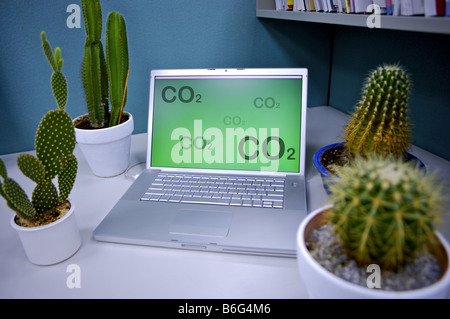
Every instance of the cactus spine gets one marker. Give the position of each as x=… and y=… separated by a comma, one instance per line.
x=379, y=124
x=384, y=210
x=55, y=142
x=97, y=70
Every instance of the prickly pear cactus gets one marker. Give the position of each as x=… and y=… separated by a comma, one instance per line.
x=55, y=142
x=385, y=210
x=15, y=196
x=379, y=124
x=58, y=80
x=55, y=138
x=66, y=177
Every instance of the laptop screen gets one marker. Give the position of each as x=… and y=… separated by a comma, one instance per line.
x=249, y=123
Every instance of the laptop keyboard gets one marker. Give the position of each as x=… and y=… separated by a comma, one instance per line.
x=217, y=190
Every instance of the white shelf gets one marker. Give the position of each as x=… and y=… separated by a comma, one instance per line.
x=266, y=9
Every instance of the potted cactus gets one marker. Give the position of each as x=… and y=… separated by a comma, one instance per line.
x=382, y=216
x=104, y=134
x=379, y=124
x=46, y=225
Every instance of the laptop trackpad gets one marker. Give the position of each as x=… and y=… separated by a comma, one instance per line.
x=201, y=223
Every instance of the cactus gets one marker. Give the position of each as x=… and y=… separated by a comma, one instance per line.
x=95, y=79
x=385, y=209
x=117, y=63
x=55, y=139
x=58, y=81
x=15, y=196
x=97, y=70
x=379, y=124
x=55, y=142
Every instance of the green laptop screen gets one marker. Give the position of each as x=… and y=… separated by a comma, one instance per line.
x=251, y=124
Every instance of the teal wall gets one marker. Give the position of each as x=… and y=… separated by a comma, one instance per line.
x=161, y=34
x=425, y=56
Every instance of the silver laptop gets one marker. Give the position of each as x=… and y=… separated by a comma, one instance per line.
x=225, y=168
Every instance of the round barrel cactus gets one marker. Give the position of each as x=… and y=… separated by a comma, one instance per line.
x=385, y=209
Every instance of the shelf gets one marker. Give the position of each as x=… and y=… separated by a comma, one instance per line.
x=405, y=23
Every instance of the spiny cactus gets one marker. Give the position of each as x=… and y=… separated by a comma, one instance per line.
x=55, y=139
x=379, y=124
x=95, y=79
x=385, y=209
x=55, y=142
x=58, y=81
x=117, y=62
x=97, y=70
x=15, y=196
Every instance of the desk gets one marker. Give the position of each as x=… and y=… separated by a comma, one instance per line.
x=123, y=271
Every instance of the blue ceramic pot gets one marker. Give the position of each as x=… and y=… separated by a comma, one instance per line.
x=327, y=177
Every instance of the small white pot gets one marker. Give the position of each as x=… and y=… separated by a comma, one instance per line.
x=52, y=243
x=321, y=283
x=107, y=150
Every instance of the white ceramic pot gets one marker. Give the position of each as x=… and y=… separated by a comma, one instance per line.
x=52, y=243
x=321, y=283
x=107, y=150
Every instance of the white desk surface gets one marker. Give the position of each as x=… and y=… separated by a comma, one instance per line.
x=124, y=271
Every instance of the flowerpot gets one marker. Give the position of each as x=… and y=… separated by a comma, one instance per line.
x=106, y=150
x=321, y=283
x=326, y=175
x=52, y=243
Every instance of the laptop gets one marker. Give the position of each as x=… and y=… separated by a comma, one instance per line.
x=225, y=166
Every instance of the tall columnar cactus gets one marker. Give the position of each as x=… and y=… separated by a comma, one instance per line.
x=117, y=62
x=94, y=73
x=97, y=70
x=385, y=210
x=379, y=124
x=55, y=142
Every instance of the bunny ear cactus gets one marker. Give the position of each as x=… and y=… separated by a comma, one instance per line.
x=55, y=139
x=58, y=81
x=52, y=160
x=379, y=124
x=15, y=196
x=384, y=210
x=55, y=142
